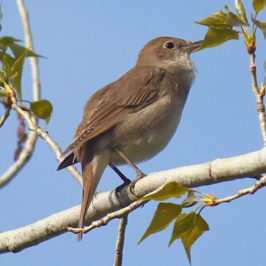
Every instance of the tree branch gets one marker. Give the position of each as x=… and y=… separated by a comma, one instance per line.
x=45, y=136
x=259, y=94
x=4, y=117
x=120, y=241
x=23, y=158
x=28, y=149
x=220, y=170
x=109, y=217
x=36, y=85
x=243, y=192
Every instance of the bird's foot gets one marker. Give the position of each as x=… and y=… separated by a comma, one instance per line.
x=126, y=181
x=119, y=188
x=140, y=175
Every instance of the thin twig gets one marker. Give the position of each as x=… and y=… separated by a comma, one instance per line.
x=32, y=121
x=46, y=137
x=36, y=85
x=4, y=117
x=22, y=136
x=29, y=146
x=109, y=217
x=120, y=241
x=23, y=158
x=251, y=190
x=259, y=97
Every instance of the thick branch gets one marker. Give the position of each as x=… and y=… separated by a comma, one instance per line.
x=220, y=170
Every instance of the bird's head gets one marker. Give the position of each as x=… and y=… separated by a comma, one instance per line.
x=168, y=53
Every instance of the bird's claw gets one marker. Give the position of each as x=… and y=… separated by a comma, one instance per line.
x=140, y=175
x=119, y=188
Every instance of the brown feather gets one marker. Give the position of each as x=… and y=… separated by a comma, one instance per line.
x=118, y=99
x=87, y=173
x=133, y=118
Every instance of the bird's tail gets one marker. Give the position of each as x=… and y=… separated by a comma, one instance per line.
x=91, y=177
x=69, y=160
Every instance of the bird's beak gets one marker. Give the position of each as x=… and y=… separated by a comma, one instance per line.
x=192, y=46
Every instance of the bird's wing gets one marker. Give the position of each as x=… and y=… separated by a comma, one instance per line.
x=132, y=92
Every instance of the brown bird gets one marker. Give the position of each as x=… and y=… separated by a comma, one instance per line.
x=133, y=118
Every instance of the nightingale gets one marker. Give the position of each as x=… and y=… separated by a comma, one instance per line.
x=133, y=118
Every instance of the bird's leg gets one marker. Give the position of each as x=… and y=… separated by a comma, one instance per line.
x=139, y=173
x=125, y=180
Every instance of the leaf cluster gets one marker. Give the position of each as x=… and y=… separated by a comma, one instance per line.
x=188, y=227
x=12, y=59
x=225, y=25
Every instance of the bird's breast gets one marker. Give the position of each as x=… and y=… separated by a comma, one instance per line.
x=143, y=134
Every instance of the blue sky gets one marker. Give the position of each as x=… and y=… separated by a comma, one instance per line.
x=88, y=44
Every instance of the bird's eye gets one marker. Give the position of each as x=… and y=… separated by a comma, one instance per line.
x=169, y=45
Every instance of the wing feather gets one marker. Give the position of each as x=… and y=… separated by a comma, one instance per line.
x=133, y=91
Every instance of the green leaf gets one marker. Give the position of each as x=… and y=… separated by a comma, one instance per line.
x=189, y=200
x=7, y=64
x=235, y=20
x=241, y=12
x=3, y=78
x=217, y=36
x=188, y=227
x=42, y=109
x=6, y=41
x=169, y=190
x=217, y=20
x=183, y=225
x=2, y=94
x=18, y=50
x=261, y=25
x=16, y=72
x=164, y=215
x=198, y=228
x=227, y=7
x=13, y=67
x=258, y=5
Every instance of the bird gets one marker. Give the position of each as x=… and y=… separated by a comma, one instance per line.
x=133, y=118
